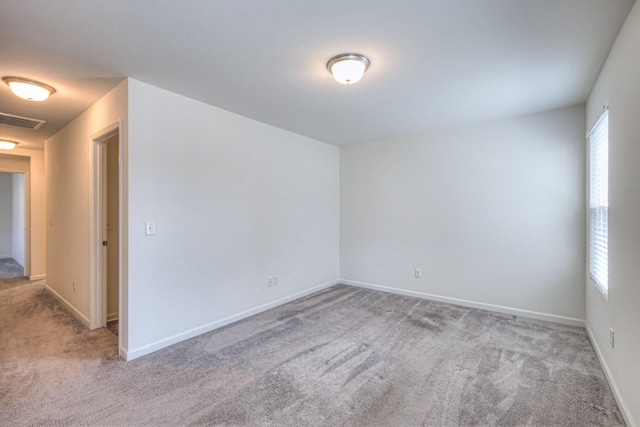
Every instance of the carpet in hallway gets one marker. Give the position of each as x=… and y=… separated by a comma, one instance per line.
x=343, y=356
x=11, y=270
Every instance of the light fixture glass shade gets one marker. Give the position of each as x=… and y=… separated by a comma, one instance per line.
x=348, y=68
x=7, y=145
x=29, y=89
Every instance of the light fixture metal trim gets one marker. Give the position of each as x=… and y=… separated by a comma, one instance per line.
x=348, y=57
x=13, y=79
x=5, y=144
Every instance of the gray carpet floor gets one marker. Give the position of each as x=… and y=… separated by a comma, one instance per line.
x=10, y=270
x=341, y=357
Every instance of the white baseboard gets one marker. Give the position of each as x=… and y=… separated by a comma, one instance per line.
x=155, y=346
x=38, y=277
x=81, y=317
x=473, y=304
x=612, y=382
x=112, y=316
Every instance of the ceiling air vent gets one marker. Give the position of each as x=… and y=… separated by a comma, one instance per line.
x=21, y=122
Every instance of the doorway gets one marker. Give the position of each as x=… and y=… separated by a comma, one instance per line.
x=112, y=233
x=13, y=230
x=106, y=241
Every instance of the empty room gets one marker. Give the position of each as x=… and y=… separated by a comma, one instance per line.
x=336, y=213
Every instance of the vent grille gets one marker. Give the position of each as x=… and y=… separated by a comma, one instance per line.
x=21, y=122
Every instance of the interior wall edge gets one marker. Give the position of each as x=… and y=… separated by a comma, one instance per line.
x=612, y=382
x=472, y=304
x=166, y=342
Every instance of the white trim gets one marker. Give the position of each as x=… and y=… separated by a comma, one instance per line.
x=74, y=311
x=473, y=304
x=98, y=288
x=27, y=268
x=38, y=277
x=112, y=316
x=97, y=312
x=165, y=342
x=604, y=293
x=605, y=113
x=612, y=382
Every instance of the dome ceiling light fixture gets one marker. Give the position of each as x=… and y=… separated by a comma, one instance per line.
x=348, y=68
x=7, y=145
x=30, y=90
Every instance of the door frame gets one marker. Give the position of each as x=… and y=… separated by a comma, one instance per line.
x=98, y=268
x=27, y=211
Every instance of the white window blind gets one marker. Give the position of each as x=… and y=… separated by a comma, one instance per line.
x=599, y=202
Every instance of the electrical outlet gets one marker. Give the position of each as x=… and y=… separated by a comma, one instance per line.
x=75, y=287
x=272, y=280
x=417, y=273
x=612, y=338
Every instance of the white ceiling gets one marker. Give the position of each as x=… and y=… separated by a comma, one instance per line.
x=434, y=63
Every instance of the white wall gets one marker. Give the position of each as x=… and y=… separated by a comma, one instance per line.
x=618, y=86
x=6, y=212
x=234, y=201
x=492, y=214
x=69, y=178
x=17, y=218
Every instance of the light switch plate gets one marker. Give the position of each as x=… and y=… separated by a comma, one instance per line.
x=150, y=228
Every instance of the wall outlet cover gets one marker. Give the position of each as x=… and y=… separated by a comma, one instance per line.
x=612, y=338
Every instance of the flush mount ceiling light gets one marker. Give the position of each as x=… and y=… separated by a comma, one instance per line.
x=7, y=145
x=348, y=68
x=30, y=90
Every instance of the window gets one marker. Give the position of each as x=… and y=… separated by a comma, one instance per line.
x=599, y=202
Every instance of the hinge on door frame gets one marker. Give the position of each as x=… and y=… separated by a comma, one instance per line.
x=104, y=243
